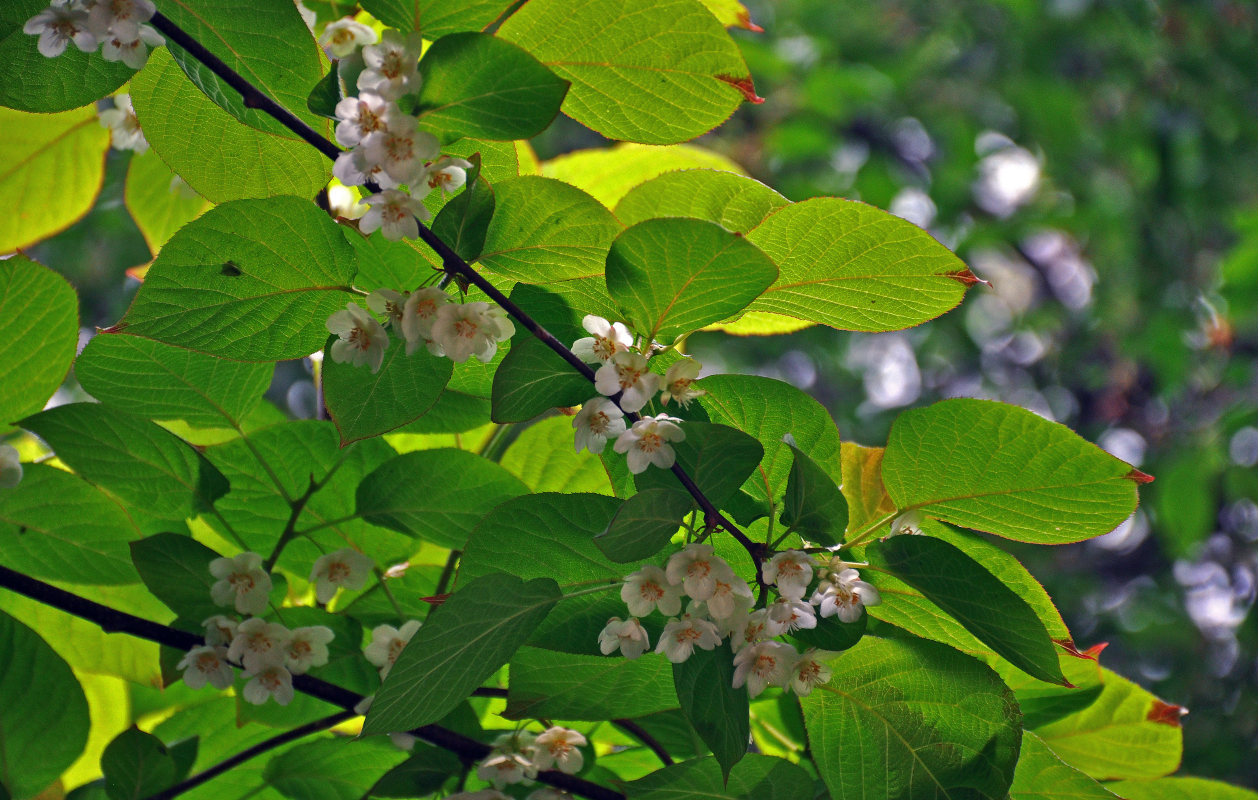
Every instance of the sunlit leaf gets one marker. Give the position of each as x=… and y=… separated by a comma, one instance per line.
x=159, y=202
x=736, y=203
x=437, y=18
x=567, y=686
x=363, y=403
x=1041, y=775
x=39, y=329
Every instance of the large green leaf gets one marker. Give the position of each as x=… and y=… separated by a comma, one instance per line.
x=1041, y=775
x=643, y=524
x=136, y=765
x=163, y=382
x=39, y=329
x=756, y=777
x=253, y=280
x=1180, y=788
x=159, y=203
x=732, y=201
x=533, y=379
x=70, y=145
x=482, y=86
x=718, y=711
x=56, y=526
x=176, y=569
x=655, y=71
x=1002, y=469
x=464, y=641
x=855, y=267
x=436, y=18
x=363, y=403
x=43, y=713
x=608, y=173
x=332, y=768
x=672, y=276
x=544, y=458
x=214, y=162
x=550, y=685
x=914, y=719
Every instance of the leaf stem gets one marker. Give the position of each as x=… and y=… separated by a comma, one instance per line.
x=384, y=587
x=447, y=572
x=290, y=528
x=867, y=532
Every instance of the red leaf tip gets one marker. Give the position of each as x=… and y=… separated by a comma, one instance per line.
x=743, y=85
x=1166, y=713
x=744, y=21
x=119, y=328
x=436, y=599
x=968, y=278
x=1138, y=476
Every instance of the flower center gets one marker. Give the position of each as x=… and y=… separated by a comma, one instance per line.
x=300, y=648
x=399, y=148
x=338, y=571
x=652, y=591
x=395, y=649
x=465, y=328
x=688, y=635
x=270, y=679
x=391, y=66
x=649, y=443
x=599, y=422
x=242, y=582
x=766, y=664
x=628, y=376
x=604, y=347
x=207, y=662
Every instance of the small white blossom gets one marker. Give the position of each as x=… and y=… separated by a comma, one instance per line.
x=392, y=65
x=242, y=581
x=448, y=173
x=344, y=36
x=418, y=316
x=362, y=115
x=390, y=305
x=681, y=636
x=609, y=339
x=730, y=598
x=809, y=671
x=132, y=50
x=119, y=18
x=648, y=588
x=557, y=748
x=598, y=420
x=763, y=664
x=219, y=630
x=628, y=374
x=628, y=636
x=504, y=768
x=908, y=522
x=790, y=571
x=124, y=128
x=754, y=627
x=393, y=212
x=677, y=380
x=346, y=568
x=362, y=340
x=786, y=615
x=207, y=664
x=307, y=647
x=698, y=568
x=401, y=149
x=844, y=595
x=272, y=681
x=343, y=202
x=59, y=25
x=259, y=644
x=387, y=643
x=467, y=329
x=647, y=442
x=10, y=467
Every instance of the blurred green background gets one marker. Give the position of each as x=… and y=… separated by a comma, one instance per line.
x=1097, y=162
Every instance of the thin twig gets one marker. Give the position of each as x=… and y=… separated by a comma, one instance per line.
x=447, y=572
x=290, y=527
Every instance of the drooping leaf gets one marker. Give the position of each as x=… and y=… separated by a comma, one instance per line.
x=546, y=684
x=464, y=641
x=176, y=569
x=855, y=267
x=436, y=18
x=533, y=379
x=39, y=329
x=464, y=221
x=70, y=145
x=159, y=202
x=136, y=765
x=363, y=403
x=1002, y=469
x=813, y=504
x=732, y=201
x=718, y=711
x=717, y=457
x=331, y=769
x=756, y=777
x=608, y=173
x=644, y=524
x=252, y=280
x=1179, y=788
x=672, y=276
x=1041, y=775
x=655, y=71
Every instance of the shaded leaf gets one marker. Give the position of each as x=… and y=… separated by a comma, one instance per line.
x=39, y=330
x=136, y=765
x=813, y=504
x=463, y=222
x=533, y=379
x=30, y=81
x=437, y=18
x=718, y=712
x=717, y=457
x=756, y=777
x=332, y=768
x=643, y=524
x=363, y=403
x=176, y=569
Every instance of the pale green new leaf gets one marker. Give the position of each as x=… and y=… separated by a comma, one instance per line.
x=855, y=267
x=363, y=403
x=756, y=777
x=159, y=203
x=253, y=280
x=39, y=329
x=732, y=201
x=546, y=684
x=332, y=768
x=436, y=18
x=1041, y=775
x=608, y=174
x=1180, y=788
x=1002, y=469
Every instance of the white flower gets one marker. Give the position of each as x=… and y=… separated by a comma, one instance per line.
x=344, y=36
x=504, y=768
x=647, y=442
x=753, y=628
x=219, y=630
x=132, y=50
x=628, y=636
x=677, y=380
x=418, y=316
x=207, y=664
x=790, y=571
x=908, y=522
x=387, y=643
x=681, y=636
x=361, y=115
x=272, y=681
x=558, y=747
x=353, y=168
x=809, y=671
x=57, y=26
x=598, y=420
x=786, y=615
x=449, y=174
x=648, y=588
x=392, y=65
x=401, y=149
x=844, y=594
x=343, y=202
x=259, y=644
x=466, y=329
x=345, y=568
x=389, y=304
x=124, y=128
x=628, y=374
x=10, y=467
x=119, y=18
x=609, y=339
x=362, y=340
x=697, y=568
x=762, y=664
x=241, y=580
x=395, y=213
x=730, y=598
x=307, y=647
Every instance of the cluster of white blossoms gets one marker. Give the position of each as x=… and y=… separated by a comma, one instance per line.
x=116, y=26
x=720, y=607
x=518, y=757
x=624, y=370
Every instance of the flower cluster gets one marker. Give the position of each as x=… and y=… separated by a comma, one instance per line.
x=518, y=757
x=116, y=26
x=720, y=607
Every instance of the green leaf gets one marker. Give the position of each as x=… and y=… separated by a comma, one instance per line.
x=423, y=772
x=533, y=379
x=718, y=712
x=252, y=280
x=56, y=526
x=435, y=495
x=169, y=105
x=672, y=276
x=43, y=713
x=436, y=18
x=163, y=382
x=735, y=202
x=1002, y=469
x=479, y=85
x=159, y=202
x=363, y=403
x=464, y=641
x=717, y=457
x=655, y=71
x=813, y=504
x=832, y=633
x=608, y=173
x=29, y=81
x=464, y=221
x=1041, y=775
x=644, y=524
x=549, y=685
x=544, y=458
x=544, y=230
x=756, y=777
x=136, y=764
x=332, y=768
x=135, y=459
x=176, y=569
x=39, y=330
x=325, y=95
x=912, y=719
x=1179, y=788
x=855, y=267
x=71, y=146
x=976, y=598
